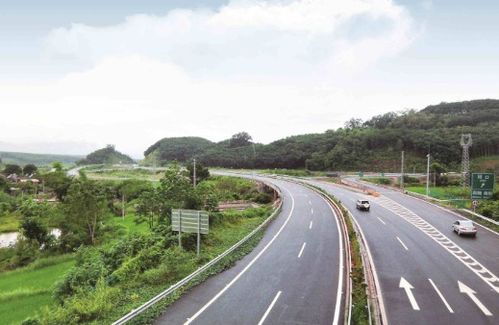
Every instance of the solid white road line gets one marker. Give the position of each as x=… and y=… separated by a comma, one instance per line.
x=270, y=308
x=381, y=220
x=209, y=303
x=404, y=284
x=310, y=225
x=340, y=268
x=441, y=296
x=402, y=243
x=463, y=288
x=301, y=250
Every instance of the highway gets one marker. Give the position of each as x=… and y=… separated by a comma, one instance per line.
x=294, y=276
x=426, y=273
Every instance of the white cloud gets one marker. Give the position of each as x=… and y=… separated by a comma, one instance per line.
x=245, y=35
x=270, y=68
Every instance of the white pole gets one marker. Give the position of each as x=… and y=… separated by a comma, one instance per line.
x=194, y=173
x=428, y=176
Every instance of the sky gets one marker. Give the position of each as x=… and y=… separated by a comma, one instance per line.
x=77, y=75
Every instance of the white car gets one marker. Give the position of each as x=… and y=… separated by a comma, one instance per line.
x=464, y=227
x=363, y=205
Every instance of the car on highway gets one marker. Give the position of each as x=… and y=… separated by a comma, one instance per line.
x=363, y=205
x=464, y=227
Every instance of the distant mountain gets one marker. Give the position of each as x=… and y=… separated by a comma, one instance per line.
x=108, y=155
x=21, y=158
x=373, y=145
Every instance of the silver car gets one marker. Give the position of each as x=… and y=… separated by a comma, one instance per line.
x=363, y=205
x=464, y=227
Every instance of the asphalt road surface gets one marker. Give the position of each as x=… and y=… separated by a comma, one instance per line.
x=427, y=273
x=294, y=275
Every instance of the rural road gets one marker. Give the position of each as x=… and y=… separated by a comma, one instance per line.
x=294, y=275
x=427, y=273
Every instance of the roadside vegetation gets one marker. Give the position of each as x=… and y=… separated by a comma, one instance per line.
x=372, y=145
x=114, y=248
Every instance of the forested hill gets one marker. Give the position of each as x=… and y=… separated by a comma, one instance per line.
x=107, y=155
x=372, y=145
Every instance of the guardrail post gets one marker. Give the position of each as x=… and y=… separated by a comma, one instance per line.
x=180, y=229
x=199, y=232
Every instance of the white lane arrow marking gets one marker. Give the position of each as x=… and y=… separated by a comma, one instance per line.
x=463, y=288
x=408, y=287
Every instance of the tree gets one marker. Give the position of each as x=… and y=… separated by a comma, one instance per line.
x=202, y=172
x=86, y=207
x=57, y=166
x=240, y=139
x=32, y=226
x=59, y=182
x=12, y=169
x=30, y=169
x=353, y=123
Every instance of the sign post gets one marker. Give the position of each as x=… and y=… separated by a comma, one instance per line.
x=190, y=221
x=482, y=186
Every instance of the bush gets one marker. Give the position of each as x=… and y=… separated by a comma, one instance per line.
x=264, y=198
x=25, y=252
x=86, y=306
x=89, y=269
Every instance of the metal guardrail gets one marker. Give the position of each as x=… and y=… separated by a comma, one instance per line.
x=135, y=312
x=480, y=216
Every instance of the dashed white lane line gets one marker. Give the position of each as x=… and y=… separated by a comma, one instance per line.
x=402, y=243
x=441, y=297
x=380, y=220
x=309, y=202
x=471, y=263
x=221, y=292
x=312, y=210
x=301, y=250
x=267, y=312
x=310, y=225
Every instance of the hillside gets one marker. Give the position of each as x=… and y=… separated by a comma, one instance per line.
x=372, y=145
x=21, y=158
x=108, y=155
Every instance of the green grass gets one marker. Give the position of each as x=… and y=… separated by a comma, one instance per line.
x=25, y=291
x=129, y=224
x=9, y=223
x=458, y=196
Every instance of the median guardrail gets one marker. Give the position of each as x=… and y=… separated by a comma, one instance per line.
x=135, y=312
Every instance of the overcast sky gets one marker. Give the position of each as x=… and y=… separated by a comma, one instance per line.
x=77, y=75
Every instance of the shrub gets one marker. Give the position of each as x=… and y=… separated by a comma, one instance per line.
x=264, y=198
x=89, y=269
x=86, y=306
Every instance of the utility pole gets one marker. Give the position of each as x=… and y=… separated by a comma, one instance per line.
x=402, y=172
x=428, y=175
x=194, y=173
x=466, y=143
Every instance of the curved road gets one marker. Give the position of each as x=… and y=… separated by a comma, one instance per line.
x=294, y=276
x=426, y=273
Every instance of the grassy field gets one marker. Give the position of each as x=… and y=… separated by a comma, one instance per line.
x=25, y=291
x=9, y=223
x=458, y=196
x=138, y=174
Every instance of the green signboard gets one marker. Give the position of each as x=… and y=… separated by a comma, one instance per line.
x=482, y=185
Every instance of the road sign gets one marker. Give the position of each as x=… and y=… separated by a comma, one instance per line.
x=482, y=185
x=190, y=221
x=187, y=221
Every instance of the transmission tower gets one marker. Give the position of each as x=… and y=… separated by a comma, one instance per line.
x=466, y=143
